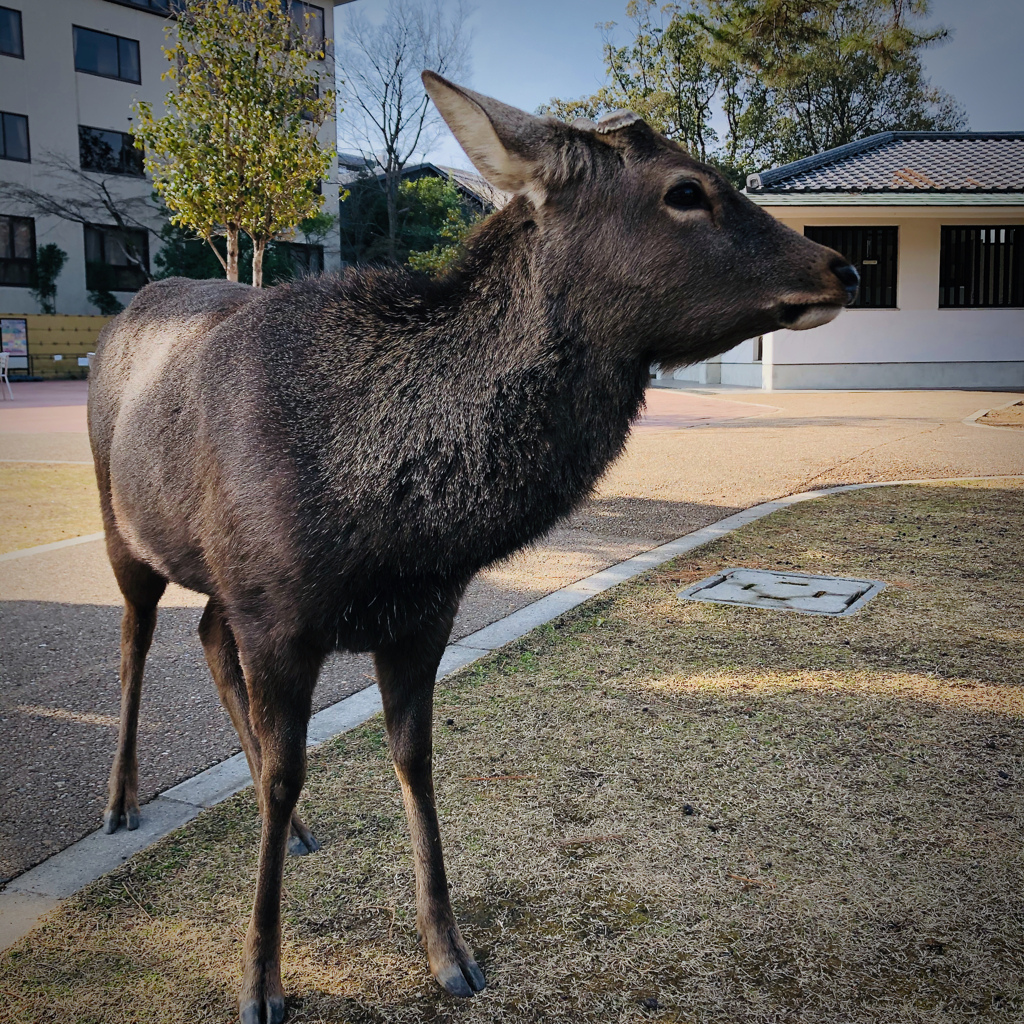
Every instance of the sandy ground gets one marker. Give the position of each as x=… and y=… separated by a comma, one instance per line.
x=694, y=459
x=1011, y=415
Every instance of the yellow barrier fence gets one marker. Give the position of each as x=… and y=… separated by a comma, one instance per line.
x=69, y=337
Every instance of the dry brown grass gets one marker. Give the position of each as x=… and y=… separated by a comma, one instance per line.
x=652, y=810
x=1007, y=416
x=40, y=503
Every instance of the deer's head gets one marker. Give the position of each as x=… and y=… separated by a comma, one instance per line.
x=637, y=236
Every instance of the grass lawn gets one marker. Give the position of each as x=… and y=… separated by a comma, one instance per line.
x=653, y=811
x=44, y=502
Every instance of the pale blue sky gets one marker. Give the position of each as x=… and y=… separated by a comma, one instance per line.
x=526, y=51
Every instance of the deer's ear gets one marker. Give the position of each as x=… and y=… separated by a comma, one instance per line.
x=506, y=145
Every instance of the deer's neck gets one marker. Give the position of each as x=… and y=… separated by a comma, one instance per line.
x=550, y=401
x=496, y=410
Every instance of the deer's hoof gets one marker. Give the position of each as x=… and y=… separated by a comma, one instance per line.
x=300, y=847
x=113, y=816
x=462, y=980
x=262, y=1011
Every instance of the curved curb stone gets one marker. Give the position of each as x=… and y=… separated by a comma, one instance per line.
x=29, y=896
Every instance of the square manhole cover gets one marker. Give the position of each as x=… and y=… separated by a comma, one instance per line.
x=787, y=591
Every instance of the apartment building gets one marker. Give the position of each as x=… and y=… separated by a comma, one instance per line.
x=69, y=73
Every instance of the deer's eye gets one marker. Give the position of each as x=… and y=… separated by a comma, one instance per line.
x=685, y=196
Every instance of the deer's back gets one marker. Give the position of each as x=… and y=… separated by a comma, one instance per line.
x=327, y=451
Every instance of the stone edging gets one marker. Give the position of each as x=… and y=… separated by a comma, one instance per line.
x=27, y=897
x=972, y=420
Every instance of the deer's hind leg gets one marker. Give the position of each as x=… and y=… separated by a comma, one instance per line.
x=406, y=672
x=221, y=652
x=142, y=588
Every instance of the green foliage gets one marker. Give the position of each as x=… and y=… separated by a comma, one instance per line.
x=185, y=255
x=793, y=77
x=363, y=221
x=436, y=221
x=50, y=260
x=238, y=148
x=106, y=302
x=811, y=76
x=316, y=228
x=433, y=219
x=665, y=73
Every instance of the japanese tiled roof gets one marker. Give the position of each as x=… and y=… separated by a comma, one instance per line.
x=478, y=185
x=894, y=162
x=469, y=183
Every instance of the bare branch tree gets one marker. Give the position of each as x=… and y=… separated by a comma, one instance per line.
x=87, y=197
x=388, y=116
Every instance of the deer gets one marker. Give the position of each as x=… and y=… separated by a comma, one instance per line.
x=332, y=460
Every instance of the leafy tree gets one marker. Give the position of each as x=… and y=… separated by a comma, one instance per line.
x=792, y=77
x=238, y=150
x=388, y=115
x=665, y=73
x=438, y=220
x=433, y=219
x=106, y=301
x=315, y=229
x=50, y=260
x=184, y=254
x=810, y=77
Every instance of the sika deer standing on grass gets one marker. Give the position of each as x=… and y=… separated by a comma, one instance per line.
x=332, y=461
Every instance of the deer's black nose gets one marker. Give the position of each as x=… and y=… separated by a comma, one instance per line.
x=849, y=277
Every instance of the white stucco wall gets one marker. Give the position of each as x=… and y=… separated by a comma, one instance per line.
x=915, y=345
x=57, y=99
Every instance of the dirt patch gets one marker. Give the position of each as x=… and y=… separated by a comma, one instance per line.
x=41, y=503
x=652, y=810
x=1007, y=416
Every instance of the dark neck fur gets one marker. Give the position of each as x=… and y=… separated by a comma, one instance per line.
x=496, y=413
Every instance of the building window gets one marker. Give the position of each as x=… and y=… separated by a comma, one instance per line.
x=306, y=260
x=157, y=6
x=115, y=260
x=99, y=53
x=108, y=152
x=11, y=43
x=981, y=267
x=308, y=19
x=17, y=250
x=875, y=254
x=13, y=137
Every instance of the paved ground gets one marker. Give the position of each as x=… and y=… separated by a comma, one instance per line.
x=694, y=459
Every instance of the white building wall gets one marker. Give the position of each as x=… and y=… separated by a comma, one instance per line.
x=57, y=99
x=916, y=345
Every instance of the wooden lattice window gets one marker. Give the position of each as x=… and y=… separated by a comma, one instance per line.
x=874, y=251
x=981, y=267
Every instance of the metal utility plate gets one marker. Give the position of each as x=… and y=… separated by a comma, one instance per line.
x=785, y=591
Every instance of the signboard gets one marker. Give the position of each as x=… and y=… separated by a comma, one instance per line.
x=14, y=341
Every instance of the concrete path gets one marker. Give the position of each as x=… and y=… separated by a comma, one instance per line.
x=692, y=461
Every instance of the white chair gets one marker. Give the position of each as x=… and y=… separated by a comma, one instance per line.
x=5, y=358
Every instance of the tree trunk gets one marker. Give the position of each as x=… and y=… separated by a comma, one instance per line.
x=258, y=248
x=232, y=268
x=391, y=185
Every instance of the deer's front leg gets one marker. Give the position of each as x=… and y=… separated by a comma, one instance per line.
x=407, y=687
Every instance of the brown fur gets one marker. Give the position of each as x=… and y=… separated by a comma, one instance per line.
x=332, y=461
